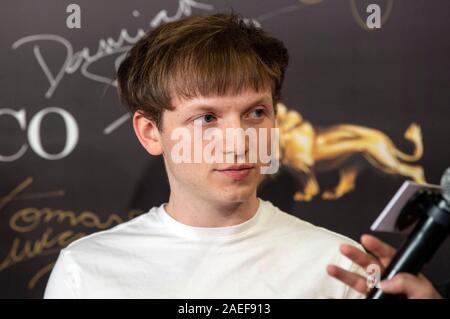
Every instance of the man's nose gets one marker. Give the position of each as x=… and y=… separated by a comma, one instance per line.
x=235, y=141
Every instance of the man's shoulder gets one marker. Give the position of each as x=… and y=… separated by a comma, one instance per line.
x=115, y=237
x=300, y=229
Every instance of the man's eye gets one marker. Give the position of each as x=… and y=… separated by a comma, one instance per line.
x=257, y=113
x=205, y=119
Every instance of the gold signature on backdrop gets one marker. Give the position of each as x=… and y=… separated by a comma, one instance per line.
x=303, y=147
x=29, y=220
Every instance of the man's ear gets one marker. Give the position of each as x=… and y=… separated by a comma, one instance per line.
x=148, y=134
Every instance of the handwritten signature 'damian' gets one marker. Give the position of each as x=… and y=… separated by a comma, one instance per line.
x=84, y=59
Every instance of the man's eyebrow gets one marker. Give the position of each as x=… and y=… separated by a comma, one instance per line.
x=209, y=107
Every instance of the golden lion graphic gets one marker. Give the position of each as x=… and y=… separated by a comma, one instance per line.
x=302, y=148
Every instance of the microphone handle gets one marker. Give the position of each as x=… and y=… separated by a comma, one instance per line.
x=419, y=248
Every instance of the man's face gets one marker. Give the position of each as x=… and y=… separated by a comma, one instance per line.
x=215, y=181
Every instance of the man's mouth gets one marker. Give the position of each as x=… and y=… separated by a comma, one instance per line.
x=237, y=172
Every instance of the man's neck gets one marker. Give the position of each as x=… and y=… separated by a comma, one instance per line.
x=200, y=213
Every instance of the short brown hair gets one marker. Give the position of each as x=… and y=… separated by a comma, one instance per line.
x=199, y=56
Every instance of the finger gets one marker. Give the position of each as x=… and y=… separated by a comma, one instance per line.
x=413, y=287
x=357, y=256
x=351, y=279
x=384, y=252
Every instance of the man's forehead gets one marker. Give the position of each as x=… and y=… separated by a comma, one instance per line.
x=243, y=99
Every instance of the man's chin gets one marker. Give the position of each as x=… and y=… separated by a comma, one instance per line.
x=235, y=195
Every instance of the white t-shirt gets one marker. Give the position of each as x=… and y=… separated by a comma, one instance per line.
x=271, y=255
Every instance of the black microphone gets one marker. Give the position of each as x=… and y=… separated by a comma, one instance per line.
x=431, y=209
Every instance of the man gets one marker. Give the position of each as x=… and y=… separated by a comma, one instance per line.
x=214, y=238
x=413, y=287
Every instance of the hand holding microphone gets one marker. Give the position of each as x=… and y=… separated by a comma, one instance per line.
x=430, y=211
x=412, y=286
